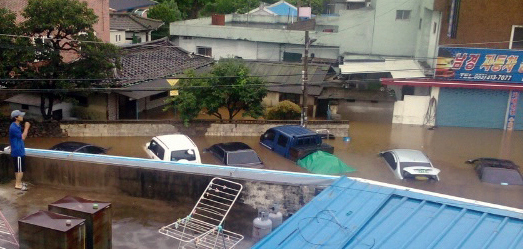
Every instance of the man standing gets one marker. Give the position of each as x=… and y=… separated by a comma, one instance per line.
x=16, y=139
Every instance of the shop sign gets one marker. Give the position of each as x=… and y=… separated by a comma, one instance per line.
x=478, y=64
x=511, y=112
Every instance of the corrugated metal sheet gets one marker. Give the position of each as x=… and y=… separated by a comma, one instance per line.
x=358, y=214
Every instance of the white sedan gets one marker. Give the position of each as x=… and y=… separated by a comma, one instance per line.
x=410, y=164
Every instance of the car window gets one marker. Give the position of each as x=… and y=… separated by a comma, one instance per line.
x=282, y=140
x=242, y=157
x=156, y=149
x=218, y=152
x=389, y=158
x=94, y=150
x=269, y=135
x=188, y=155
x=414, y=164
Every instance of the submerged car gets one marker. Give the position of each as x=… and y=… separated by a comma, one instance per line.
x=79, y=147
x=236, y=154
x=497, y=171
x=410, y=164
x=174, y=147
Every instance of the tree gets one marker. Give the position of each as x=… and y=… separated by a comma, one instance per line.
x=66, y=48
x=228, y=86
x=166, y=11
x=13, y=49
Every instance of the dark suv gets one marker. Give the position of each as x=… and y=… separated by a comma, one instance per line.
x=497, y=171
x=236, y=154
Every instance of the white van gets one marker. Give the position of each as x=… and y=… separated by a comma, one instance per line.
x=175, y=147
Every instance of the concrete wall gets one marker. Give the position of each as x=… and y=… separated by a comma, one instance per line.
x=372, y=30
x=411, y=110
x=72, y=129
x=115, y=33
x=151, y=184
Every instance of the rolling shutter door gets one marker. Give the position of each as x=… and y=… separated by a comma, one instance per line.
x=473, y=108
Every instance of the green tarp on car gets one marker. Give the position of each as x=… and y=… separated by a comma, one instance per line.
x=321, y=162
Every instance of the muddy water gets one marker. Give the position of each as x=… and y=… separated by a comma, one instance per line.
x=448, y=148
x=136, y=220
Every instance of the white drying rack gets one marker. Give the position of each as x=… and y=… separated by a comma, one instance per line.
x=6, y=232
x=202, y=228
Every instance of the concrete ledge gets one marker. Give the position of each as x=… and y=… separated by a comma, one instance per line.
x=200, y=128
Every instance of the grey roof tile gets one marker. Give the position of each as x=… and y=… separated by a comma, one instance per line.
x=130, y=22
x=120, y=5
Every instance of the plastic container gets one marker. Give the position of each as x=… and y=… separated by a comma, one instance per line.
x=261, y=226
x=275, y=216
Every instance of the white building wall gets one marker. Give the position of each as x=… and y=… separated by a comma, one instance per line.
x=115, y=34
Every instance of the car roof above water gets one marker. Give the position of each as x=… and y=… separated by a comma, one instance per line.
x=294, y=130
x=176, y=141
x=233, y=146
x=406, y=155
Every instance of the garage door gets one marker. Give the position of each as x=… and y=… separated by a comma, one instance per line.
x=519, y=113
x=472, y=108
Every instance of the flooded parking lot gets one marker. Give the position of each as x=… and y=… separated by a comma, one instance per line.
x=136, y=220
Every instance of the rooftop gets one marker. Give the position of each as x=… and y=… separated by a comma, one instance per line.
x=131, y=22
x=286, y=73
x=123, y=5
x=156, y=59
x=357, y=212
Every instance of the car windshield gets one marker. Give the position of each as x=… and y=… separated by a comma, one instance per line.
x=414, y=164
x=242, y=157
x=188, y=155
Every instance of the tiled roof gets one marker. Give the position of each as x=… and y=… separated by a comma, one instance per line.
x=120, y=5
x=156, y=59
x=290, y=74
x=130, y=22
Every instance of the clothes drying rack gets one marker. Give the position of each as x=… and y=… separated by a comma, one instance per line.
x=203, y=227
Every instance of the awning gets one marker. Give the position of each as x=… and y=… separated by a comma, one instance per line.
x=397, y=68
x=146, y=89
x=452, y=84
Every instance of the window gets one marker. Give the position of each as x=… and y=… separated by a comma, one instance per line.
x=159, y=96
x=390, y=159
x=402, y=14
x=207, y=51
x=420, y=22
x=282, y=140
x=242, y=157
x=269, y=135
x=157, y=149
x=516, y=41
x=188, y=155
x=218, y=152
x=94, y=150
x=292, y=97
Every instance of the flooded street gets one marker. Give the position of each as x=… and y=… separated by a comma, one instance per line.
x=447, y=147
x=136, y=220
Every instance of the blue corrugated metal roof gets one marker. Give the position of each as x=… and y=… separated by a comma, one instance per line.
x=357, y=214
x=294, y=130
x=284, y=9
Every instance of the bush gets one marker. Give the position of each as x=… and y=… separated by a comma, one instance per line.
x=285, y=110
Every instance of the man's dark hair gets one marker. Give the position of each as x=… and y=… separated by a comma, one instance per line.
x=13, y=119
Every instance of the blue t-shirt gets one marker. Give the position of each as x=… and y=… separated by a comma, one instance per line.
x=15, y=138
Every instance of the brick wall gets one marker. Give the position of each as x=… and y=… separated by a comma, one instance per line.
x=100, y=7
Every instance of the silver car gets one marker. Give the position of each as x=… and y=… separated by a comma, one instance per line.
x=410, y=164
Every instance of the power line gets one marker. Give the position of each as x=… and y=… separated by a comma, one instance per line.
x=174, y=46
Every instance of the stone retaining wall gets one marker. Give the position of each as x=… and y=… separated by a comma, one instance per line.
x=162, y=127
x=338, y=129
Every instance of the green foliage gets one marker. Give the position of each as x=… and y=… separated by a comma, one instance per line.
x=168, y=12
x=66, y=48
x=285, y=110
x=13, y=50
x=228, y=6
x=226, y=86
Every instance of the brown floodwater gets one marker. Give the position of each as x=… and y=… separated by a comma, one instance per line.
x=447, y=147
x=136, y=220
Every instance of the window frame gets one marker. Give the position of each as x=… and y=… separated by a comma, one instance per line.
x=208, y=51
x=405, y=15
x=512, y=33
x=388, y=153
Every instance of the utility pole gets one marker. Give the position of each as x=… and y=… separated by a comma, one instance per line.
x=304, y=82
